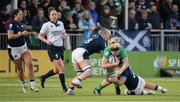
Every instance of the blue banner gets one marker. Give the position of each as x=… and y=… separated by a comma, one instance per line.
x=134, y=40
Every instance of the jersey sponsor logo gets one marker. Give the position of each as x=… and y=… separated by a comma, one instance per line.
x=10, y=27
x=56, y=55
x=95, y=36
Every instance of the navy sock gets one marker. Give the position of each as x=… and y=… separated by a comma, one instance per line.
x=156, y=87
x=31, y=80
x=48, y=74
x=72, y=88
x=62, y=80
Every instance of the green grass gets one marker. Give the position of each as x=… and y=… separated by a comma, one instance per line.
x=10, y=91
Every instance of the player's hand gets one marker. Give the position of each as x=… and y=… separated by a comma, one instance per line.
x=33, y=33
x=117, y=61
x=49, y=42
x=25, y=33
x=118, y=74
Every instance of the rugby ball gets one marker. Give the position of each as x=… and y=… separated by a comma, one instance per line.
x=112, y=59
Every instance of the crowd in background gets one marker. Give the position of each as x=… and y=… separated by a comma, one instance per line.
x=87, y=14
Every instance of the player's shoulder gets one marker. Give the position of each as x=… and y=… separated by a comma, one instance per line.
x=60, y=23
x=47, y=23
x=107, y=51
x=97, y=36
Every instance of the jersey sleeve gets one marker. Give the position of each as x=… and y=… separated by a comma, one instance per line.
x=10, y=28
x=44, y=29
x=63, y=29
x=123, y=53
x=107, y=52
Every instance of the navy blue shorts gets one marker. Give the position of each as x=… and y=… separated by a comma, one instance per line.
x=55, y=52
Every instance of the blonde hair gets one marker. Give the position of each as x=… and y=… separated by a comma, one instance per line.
x=114, y=46
x=113, y=40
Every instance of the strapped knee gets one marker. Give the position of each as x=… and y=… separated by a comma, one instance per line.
x=79, y=72
x=87, y=68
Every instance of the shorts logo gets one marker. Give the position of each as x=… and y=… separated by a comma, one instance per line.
x=15, y=56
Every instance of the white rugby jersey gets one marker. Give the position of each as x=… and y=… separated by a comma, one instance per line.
x=53, y=32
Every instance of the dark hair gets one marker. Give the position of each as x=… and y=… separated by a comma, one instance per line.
x=15, y=12
x=51, y=9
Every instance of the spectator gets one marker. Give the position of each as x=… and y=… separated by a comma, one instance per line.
x=3, y=19
x=26, y=20
x=23, y=5
x=93, y=13
x=165, y=11
x=86, y=24
x=76, y=12
x=132, y=5
x=45, y=5
x=141, y=5
x=34, y=5
x=69, y=23
x=105, y=19
x=59, y=15
x=175, y=10
x=154, y=17
x=38, y=20
x=132, y=22
x=143, y=22
x=63, y=6
x=111, y=5
x=172, y=23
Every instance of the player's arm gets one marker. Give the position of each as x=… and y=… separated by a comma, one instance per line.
x=11, y=35
x=107, y=65
x=125, y=63
x=64, y=35
x=41, y=37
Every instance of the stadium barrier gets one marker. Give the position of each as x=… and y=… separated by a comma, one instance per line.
x=146, y=64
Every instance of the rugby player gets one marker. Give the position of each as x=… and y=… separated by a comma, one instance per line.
x=135, y=84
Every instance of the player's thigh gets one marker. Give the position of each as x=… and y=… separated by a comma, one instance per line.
x=84, y=63
x=18, y=63
x=59, y=64
x=79, y=55
x=26, y=56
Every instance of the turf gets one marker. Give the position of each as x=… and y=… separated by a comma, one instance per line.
x=10, y=91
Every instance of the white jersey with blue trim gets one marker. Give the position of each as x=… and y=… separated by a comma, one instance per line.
x=54, y=32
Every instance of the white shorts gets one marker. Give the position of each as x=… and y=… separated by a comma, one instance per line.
x=79, y=54
x=16, y=52
x=140, y=87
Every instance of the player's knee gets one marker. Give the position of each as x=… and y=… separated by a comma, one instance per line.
x=60, y=69
x=79, y=72
x=88, y=70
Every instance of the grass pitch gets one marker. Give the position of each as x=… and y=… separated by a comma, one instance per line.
x=11, y=91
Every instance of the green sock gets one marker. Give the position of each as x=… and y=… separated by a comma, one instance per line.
x=99, y=87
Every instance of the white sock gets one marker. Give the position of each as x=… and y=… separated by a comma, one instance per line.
x=23, y=83
x=159, y=88
x=77, y=81
x=32, y=84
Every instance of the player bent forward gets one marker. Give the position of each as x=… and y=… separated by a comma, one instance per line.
x=135, y=85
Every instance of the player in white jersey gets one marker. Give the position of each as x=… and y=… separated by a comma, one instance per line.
x=55, y=33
